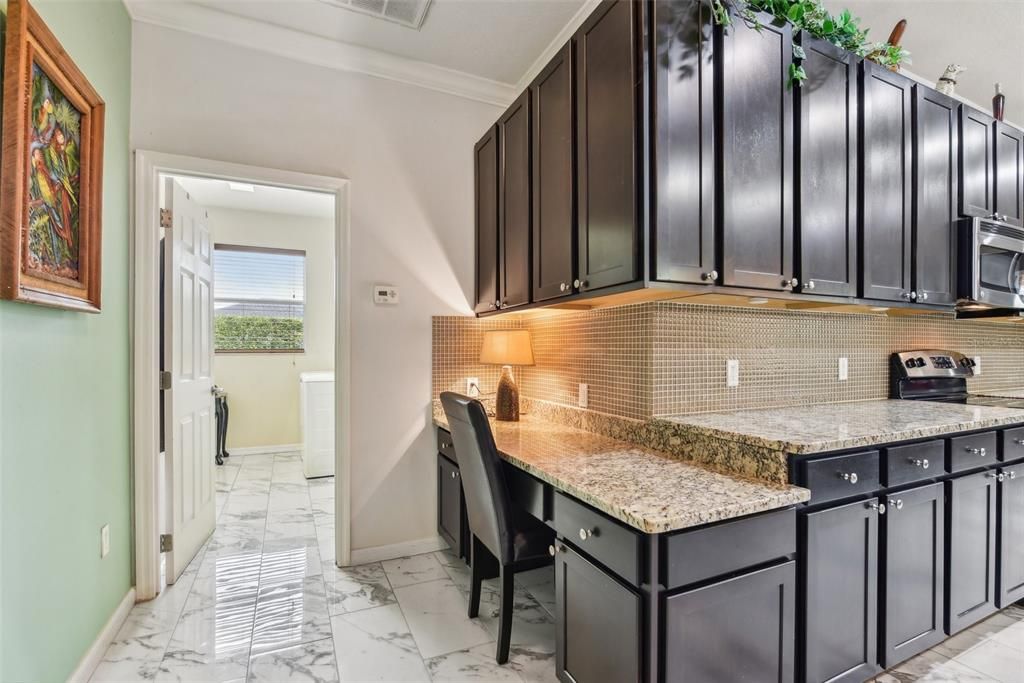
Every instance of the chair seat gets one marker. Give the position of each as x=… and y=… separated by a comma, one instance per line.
x=531, y=538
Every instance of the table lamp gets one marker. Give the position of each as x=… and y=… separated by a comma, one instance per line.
x=507, y=348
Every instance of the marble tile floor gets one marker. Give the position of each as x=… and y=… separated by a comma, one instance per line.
x=263, y=601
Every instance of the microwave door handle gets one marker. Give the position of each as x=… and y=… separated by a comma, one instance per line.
x=1000, y=242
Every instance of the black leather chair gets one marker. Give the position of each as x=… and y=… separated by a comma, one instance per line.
x=500, y=530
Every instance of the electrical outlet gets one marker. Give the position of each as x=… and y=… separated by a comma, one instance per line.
x=104, y=540
x=584, y=397
x=732, y=373
x=844, y=368
x=472, y=386
x=977, y=365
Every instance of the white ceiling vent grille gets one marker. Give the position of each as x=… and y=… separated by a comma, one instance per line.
x=409, y=13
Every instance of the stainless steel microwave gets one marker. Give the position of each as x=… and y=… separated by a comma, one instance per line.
x=991, y=263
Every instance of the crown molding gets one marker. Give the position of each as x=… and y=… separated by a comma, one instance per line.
x=310, y=49
x=556, y=44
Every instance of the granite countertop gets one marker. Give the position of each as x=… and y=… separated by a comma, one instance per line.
x=648, y=490
x=835, y=426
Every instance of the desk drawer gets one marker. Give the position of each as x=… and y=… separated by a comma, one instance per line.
x=841, y=476
x=611, y=543
x=729, y=547
x=1011, y=444
x=913, y=462
x=445, y=445
x=970, y=451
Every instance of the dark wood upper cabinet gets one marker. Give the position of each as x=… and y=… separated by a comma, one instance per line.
x=683, y=245
x=1009, y=184
x=970, y=550
x=553, y=179
x=827, y=111
x=977, y=163
x=485, y=163
x=886, y=184
x=935, y=196
x=607, y=127
x=1011, y=531
x=912, y=573
x=757, y=154
x=514, y=204
x=839, y=606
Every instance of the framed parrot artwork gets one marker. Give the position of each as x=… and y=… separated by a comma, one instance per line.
x=51, y=172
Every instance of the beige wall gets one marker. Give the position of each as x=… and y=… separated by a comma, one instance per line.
x=263, y=388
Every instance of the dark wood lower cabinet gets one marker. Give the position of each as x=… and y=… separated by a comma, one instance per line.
x=598, y=623
x=912, y=573
x=970, y=549
x=740, y=629
x=839, y=604
x=1011, y=536
x=450, y=523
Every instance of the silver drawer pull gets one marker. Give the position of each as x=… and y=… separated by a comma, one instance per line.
x=920, y=462
x=1019, y=442
x=875, y=505
x=976, y=451
x=586, y=533
x=848, y=476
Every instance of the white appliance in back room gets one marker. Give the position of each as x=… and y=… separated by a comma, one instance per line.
x=316, y=420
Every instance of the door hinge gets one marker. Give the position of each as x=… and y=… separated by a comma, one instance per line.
x=166, y=543
x=166, y=218
x=165, y=380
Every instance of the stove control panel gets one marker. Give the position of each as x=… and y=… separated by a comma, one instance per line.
x=932, y=364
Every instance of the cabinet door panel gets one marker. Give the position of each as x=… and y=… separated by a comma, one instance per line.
x=839, y=624
x=606, y=125
x=757, y=154
x=514, y=203
x=827, y=215
x=935, y=185
x=886, y=185
x=553, y=179
x=485, y=158
x=977, y=163
x=1009, y=151
x=598, y=625
x=752, y=614
x=970, y=550
x=684, y=226
x=1011, y=536
x=913, y=570
x=449, y=504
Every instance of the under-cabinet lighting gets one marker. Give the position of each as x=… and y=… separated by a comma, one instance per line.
x=879, y=309
x=757, y=300
x=241, y=187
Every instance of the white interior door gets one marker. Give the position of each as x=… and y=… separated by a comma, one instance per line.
x=188, y=354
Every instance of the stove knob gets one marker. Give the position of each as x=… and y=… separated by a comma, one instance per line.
x=920, y=362
x=910, y=363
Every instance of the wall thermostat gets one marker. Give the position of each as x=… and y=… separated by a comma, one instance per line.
x=385, y=294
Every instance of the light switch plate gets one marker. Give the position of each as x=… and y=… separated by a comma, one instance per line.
x=584, y=397
x=844, y=368
x=104, y=540
x=732, y=373
x=977, y=365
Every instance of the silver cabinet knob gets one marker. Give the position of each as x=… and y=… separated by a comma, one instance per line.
x=906, y=295
x=848, y=476
x=875, y=505
x=445, y=444
x=809, y=285
x=923, y=296
x=497, y=303
x=791, y=282
x=709, y=277
x=576, y=283
x=899, y=504
x=586, y=533
x=1019, y=442
x=920, y=462
x=993, y=475
x=551, y=550
x=561, y=288
x=1012, y=474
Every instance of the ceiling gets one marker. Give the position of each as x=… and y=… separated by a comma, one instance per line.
x=213, y=193
x=981, y=35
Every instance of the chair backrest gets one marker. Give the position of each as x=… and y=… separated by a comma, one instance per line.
x=483, y=479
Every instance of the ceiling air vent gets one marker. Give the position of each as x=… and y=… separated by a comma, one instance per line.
x=409, y=13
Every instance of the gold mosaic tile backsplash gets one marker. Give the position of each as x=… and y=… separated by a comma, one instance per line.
x=668, y=358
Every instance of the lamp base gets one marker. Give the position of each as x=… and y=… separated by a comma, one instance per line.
x=506, y=403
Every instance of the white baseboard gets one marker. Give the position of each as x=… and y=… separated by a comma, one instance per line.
x=395, y=550
x=264, y=450
x=94, y=655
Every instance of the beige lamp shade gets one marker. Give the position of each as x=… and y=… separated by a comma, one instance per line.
x=507, y=347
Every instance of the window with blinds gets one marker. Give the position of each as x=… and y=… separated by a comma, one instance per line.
x=259, y=297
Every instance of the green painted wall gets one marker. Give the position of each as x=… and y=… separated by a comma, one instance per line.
x=64, y=409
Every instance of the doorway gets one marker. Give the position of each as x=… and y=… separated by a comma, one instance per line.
x=242, y=354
